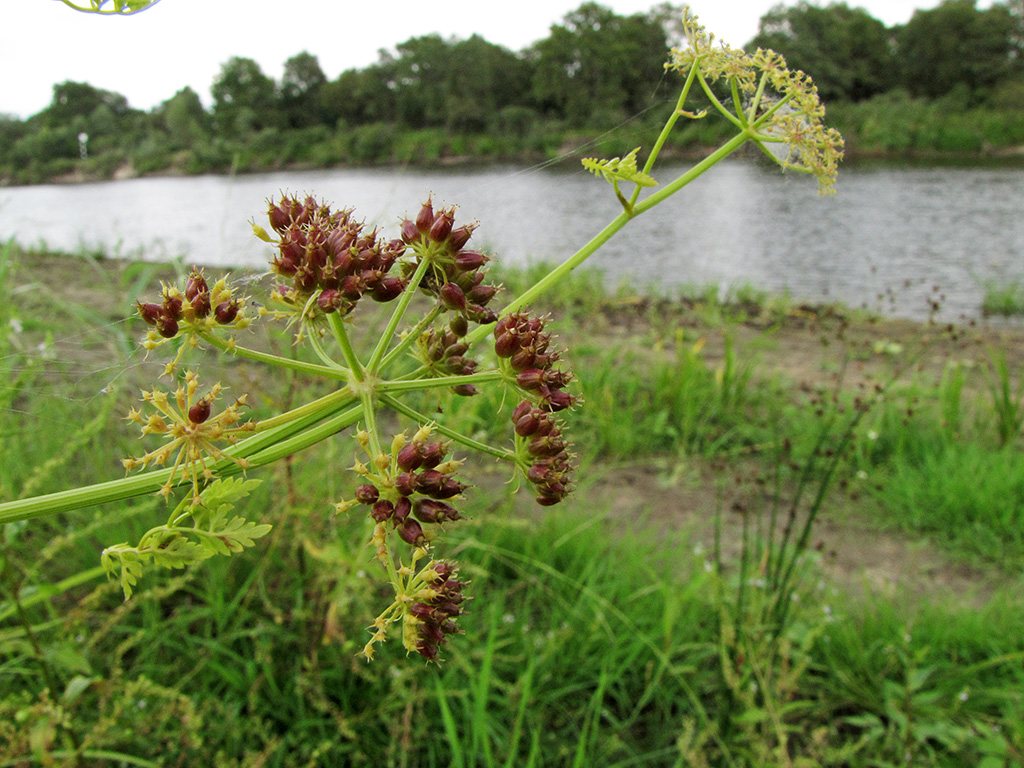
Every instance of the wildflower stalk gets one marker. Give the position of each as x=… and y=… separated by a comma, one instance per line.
x=399, y=407
x=326, y=262
x=377, y=357
x=341, y=336
x=300, y=366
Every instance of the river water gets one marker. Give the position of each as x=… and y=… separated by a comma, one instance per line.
x=890, y=240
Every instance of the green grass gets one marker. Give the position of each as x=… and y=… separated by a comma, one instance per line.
x=589, y=640
x=1003, y=298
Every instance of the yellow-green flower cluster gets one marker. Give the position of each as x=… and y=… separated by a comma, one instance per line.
x=780, y=105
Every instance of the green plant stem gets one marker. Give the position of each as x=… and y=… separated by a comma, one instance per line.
x=258, y=450
x=397, y=405
x=396, y=317
x=669, y=125
x=555, y=276
x=718, y=104
x=407, y=385
x=410, y=338
x=338, y=397
x=282, y=362
x=338, y=327
x=313, y=335
x=42, y=593
x=281, y=448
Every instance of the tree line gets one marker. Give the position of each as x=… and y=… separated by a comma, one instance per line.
x=432, y=98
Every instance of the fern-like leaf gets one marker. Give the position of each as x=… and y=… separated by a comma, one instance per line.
x=619, y=169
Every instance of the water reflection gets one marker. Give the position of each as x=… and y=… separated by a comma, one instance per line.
x=884, y=240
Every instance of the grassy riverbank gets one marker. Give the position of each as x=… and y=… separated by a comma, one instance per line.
x=631, y=625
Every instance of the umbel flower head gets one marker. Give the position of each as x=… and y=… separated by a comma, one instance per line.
x=326, y=259
x=195, y=310
x=782, y=105
x=194, y=433
x=456, y=275
x=428, y=605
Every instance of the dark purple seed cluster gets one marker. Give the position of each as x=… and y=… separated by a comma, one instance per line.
x=195, y=303
x=551, y=468
x=445, y=353
x=437, y=615
x=457, y=278
x=423, y=487
x=521, y=339
x=328, y=252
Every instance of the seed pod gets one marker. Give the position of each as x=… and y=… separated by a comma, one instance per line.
x=149, y=312
x=430, y=511
x=351, y=287
x=402, y=509
x=450, y=487
x=330, y=300
x=459, y=237
x=531, y=378
x=388, y=289
x=411, y=531
x=166, y=327
x=524, y=407
x=429, y=481
x=526, y=426
x=425, y=218
x=382, y=511
x=280, y=215
x=448, y=608
x=410, y=457
x=200, y=411
x=459, y=325
x=506, y=344
x=558, y=400
x=442, y=226
x=481, y=315
x=405, y=483
x=547, y=446
x=421, y=610
x=195, y=286
x=427, y=650
x=465, y=390
x=453, y=297
x=306, y=277
x=367, y=493
x=410, y=232
x=433, y=454
x=289, y=257
x=172, y=308
x=444, y=570
x=539, y=474
x=467, y=261
x=523, y=359
x=226, y=312
x=431, y=632
x=482, y=294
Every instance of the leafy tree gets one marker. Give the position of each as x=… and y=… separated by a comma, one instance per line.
x=79, y=100
x=11, y=130
x=956, y=43
x=184, y=118
x=360, y=96
x=300, y=90
x=484, y=79
x=599, y=62
x=244, y=99
x=848, y=51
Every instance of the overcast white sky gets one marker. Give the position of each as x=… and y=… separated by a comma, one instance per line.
x=148, y=57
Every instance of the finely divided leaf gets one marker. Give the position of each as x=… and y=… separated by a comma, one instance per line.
x=619, y=169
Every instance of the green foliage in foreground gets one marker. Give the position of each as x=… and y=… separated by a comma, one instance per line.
x=588, y=647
